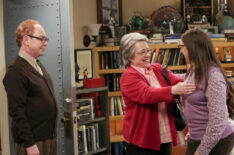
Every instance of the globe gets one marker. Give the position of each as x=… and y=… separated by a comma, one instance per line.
x=165, y=15
x=138, y=21
x=225, y=21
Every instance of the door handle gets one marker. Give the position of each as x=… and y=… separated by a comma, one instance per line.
x=65, y=119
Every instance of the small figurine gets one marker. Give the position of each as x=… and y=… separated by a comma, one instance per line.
x=227, y=54
x=217, y=52
x=85, y=73
x=111, y=23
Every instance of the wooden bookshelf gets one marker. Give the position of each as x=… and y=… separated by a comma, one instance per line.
x=120, y=117
x=110, y=71
x=227, y=65
x=116, y=93
x=117, y=138
x=116, y=122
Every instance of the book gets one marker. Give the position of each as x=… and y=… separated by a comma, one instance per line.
x=116, y=148
x=168, y=57
x=92, y=138
x=88, y=139
x=218, y=39
x=156, y=55
x=82, y=128
x=85, y=109
x=111, y=103
x=120, y=109
x=80, y=141
x=216, y=35
x=162, y=56
x=172, y=36
x=165, y=57
x=175, y=57
x=96, y=126
x=94, y=83
x=97, y=105
x=152, y=57
x=116, y=112
x=171, y=57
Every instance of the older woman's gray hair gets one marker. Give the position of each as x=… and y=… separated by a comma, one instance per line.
x=127, y=46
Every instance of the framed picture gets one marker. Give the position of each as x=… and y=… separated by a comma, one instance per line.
x=109, y=12
x=83, y=64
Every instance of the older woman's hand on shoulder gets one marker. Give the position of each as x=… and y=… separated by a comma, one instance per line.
x=182, y=88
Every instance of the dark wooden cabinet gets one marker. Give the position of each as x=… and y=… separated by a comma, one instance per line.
x=93, y=132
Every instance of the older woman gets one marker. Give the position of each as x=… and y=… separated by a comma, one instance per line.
x=149, y=126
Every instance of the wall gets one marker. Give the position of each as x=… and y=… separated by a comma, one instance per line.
x=85, y=12
x=4, y=128
x=231, y=7
x=145, y=7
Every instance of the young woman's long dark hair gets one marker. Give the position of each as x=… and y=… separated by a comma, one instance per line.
x=202, y=53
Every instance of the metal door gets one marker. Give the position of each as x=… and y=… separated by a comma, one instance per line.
x=56, y=18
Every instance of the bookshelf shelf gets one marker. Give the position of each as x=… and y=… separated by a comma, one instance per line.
x=92, y=90
x=117, y=138
x=117, y=93
x=96, y=152
x=110, y=71
x=119, y=117
x=92, y=121
x=164, y=46
x=117, y=121
x=227, y=65
x=182, y=67
x=223, y=43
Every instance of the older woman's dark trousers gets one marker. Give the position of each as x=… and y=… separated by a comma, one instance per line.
x=131, y=149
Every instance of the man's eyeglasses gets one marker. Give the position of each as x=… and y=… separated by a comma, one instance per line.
x=145, y=51
x=180, y=45
x=43, y=39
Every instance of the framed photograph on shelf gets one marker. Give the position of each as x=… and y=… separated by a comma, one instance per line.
x=109, y=12
x=83, y=64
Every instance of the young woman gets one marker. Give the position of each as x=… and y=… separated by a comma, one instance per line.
x=210, y=130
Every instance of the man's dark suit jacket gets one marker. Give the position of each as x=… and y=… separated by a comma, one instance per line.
x=31, y=101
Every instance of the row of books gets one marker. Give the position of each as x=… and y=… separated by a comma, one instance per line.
x=85, y=109
x=116, y=105
x=113, y=81
x=90, y=138
x=110, y=60
x=172, y=38
x=176, y=38
x=229, y=33
x=217, y=37
x=168, y=57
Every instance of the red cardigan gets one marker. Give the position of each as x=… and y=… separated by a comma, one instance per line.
x=140, y=125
